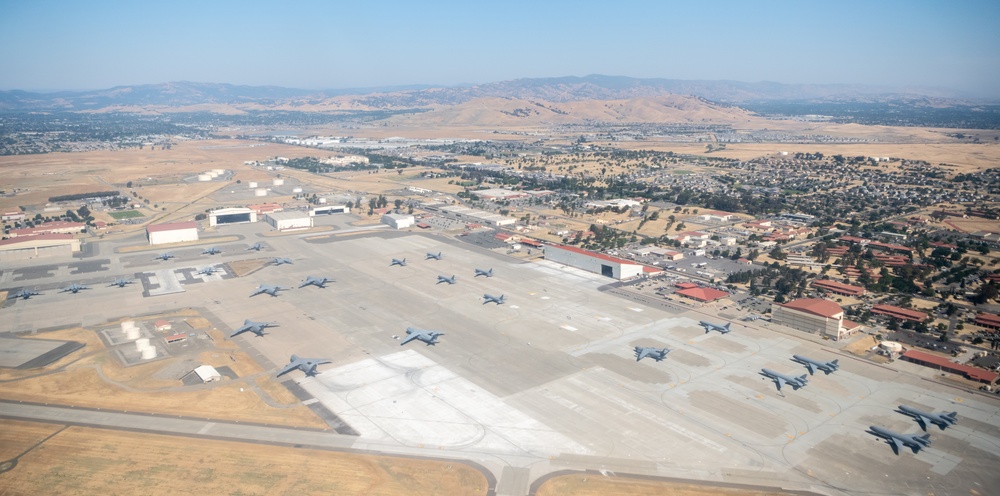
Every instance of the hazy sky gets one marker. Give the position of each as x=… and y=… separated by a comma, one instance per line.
x=92, y=44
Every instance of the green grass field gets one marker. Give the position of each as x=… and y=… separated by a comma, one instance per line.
x=127, y=214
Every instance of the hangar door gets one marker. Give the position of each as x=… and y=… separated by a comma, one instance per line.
x=607, y=271
x=233, y=218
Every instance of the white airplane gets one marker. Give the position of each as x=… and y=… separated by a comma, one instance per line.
x=782, y=379
x=211, y=251
x=897, y=440
x=449, y=280
x=434, y=256
x=481, y=272
x=24, y=294
x=255, y=247
x=429, y=337
x=319, y=282
x=121, y=282
x=488, y=298
x=73, y=288
x=164, y=256
x=654, y=353
x=814, y=365
x=207, y=271
x=307, y=365
x=396, y=261
x=281, y=261
x=266, y=288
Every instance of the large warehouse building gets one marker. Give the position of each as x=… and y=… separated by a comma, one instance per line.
x=814, y=315
x=177, y=232
x=597, y=263
x=292, y=219
x=234, y=215
x=42, y=245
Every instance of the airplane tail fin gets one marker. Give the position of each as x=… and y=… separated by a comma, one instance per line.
x=803, y=379
x=294, y=358
x=835, y=364
x=953, y=416
x=924, y=440
x=727, y=325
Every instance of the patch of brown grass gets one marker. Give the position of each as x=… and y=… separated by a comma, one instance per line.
x=597, y=485
x=16, y=436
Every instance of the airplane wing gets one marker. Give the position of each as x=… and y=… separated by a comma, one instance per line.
x=258, y=291
x=778, y=382
x=288, y=368
x=241, y=330
x=811, y=367
x=409, y=338
x=896, y=445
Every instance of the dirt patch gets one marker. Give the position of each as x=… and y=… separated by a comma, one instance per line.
x=83, y=460
x=243, y=268
x=598, y=485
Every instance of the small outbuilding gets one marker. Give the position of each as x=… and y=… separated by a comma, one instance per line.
x=207, y=373
x=398, y=221
x=177, y=232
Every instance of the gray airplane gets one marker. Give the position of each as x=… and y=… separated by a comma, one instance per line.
x=942, y=420
x=488, y=298
x=897, y=440
x=307, y=365
x=254, y=327
x=434, y=256
x=207, y=271
x=429, y=337
x=23, y=294
x=164, y=256
x=266, y=288
x=782, y=379
x=814, y=365
x=255, y=247
x=319, y=282
x=211, y=251
x=449, y=280
x=121, y=282
x=281, y=261
x=481, y=272
x=715, y=327
x=647, y=351
x=73, y=288
x=396, y=261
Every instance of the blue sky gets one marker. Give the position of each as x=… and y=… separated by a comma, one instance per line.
x=52, y=45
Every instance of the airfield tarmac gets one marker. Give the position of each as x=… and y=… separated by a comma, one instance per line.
x=547, y=381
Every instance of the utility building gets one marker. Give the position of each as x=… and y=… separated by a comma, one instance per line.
x=597, y=263
x=398, y=221
x=292, y=219
x=814, y=315
x=177, y=232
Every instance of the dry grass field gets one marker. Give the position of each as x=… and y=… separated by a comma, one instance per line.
x=82, y=460
x=598, y=485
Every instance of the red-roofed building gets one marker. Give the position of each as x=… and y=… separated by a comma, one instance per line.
x=942, y=363
x=899, y=313
x=54, y=227
x=531, y=242
x=686, y=285
x=597, y=263
x=988, y=320
x=265, y=208
x=176, y=232
x=703, y=295
x=814, y=315
x=838, y=287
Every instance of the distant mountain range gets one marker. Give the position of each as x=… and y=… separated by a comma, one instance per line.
x=555, y=90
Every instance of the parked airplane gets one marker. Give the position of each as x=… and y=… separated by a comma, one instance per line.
x=265, y=288
x=481, y=272
x=319, y=282
x=281, y=261
x=488, y=298
x=164, y=256
x=435, y=257
x=396, y=261
x=307, y=365
x=782, y=379
x=429, y=337
x=211, y=251
x=942, y=420
x=255, y=247
x=654, y=353
x=897, y=440
x=207, y=271
x=23, y=294
x=813, y=365
x=73, y=288
x=715, y=327
x=254, y=327
x=449, y=280
x=121, y=282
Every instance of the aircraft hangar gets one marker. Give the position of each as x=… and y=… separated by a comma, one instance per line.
x=232, y=215
x=43, y=245
x=597, y=263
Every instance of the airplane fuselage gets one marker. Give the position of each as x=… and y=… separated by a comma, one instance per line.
x=941, y=420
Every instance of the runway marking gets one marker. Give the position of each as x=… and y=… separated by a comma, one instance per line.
x=207, y=427
x=568, y=328
x=635, y=309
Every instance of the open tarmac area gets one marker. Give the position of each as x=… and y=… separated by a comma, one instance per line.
x=548, y=381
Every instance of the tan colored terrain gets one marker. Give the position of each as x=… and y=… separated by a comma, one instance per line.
x=598, y=485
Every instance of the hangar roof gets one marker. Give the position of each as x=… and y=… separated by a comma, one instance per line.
x=175, y=226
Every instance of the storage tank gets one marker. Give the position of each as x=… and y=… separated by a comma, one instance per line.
x=260, y=192
x=277, y=181
x=296, y=190
x=891, y=346
x=253, y=184
x=132, y=333
x=322, y=200
x=148, y=353
x=141, y=343
x=212, y=174
x=204, y=177
x=219, y=171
